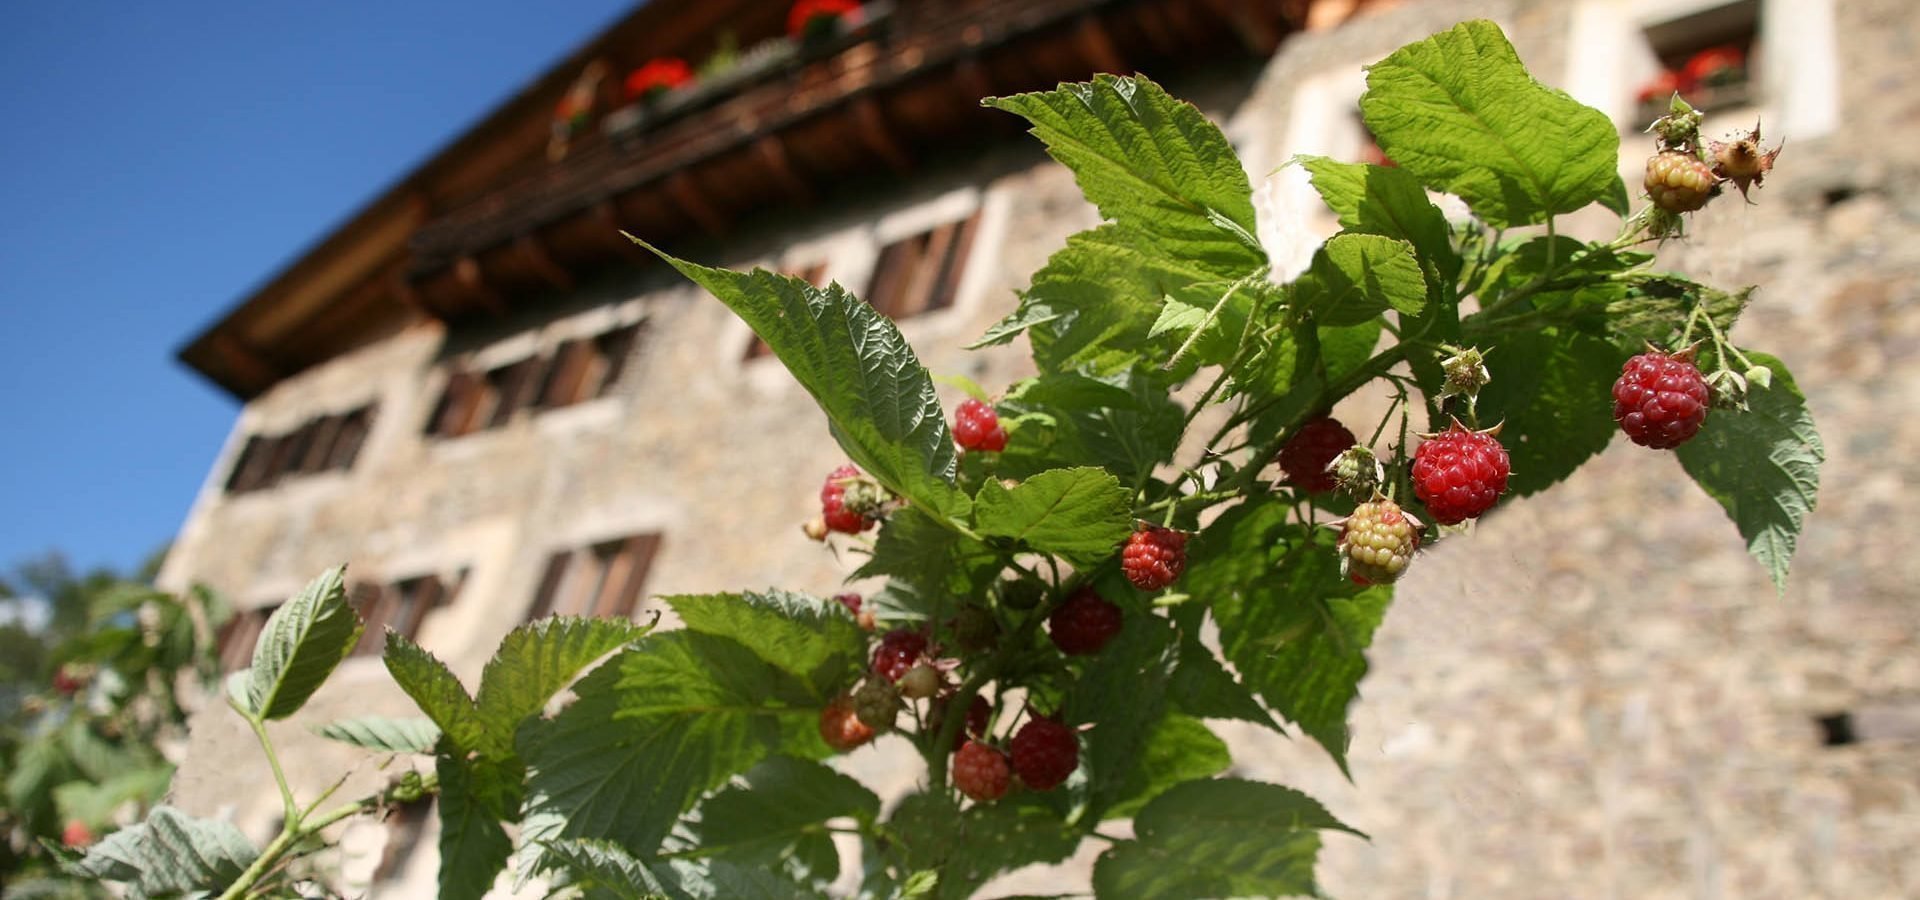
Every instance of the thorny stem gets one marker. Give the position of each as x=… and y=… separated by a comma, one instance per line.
x=298, y=827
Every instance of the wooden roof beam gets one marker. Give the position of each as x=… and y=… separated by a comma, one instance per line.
x=878, y=135
x=1097, y=48
x=682, y=190
x=531, y=249
x=245, y=363
x=773, y=153
x=467, y=271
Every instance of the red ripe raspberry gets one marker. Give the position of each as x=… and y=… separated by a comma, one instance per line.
x=977, y=427
x=840, y=727
x=68, y=682
x=1660, y=401
x=899, y=649
x=1083, y=624
x=833, y=500
x=1458, y=473
x=1045, y=752
x=849, y=600
x=980, y=772
x=1307, y=454
x=978, y=712
x=1377, y=542
x=76, y=834
x=1154, y=557
x=1679, y=182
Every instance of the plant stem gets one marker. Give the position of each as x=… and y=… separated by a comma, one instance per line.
x=290, y=809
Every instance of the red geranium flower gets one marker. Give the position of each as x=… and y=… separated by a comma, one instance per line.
x=805, y=11
x=1715, y=64
x=664, y=74
x=1663, y=85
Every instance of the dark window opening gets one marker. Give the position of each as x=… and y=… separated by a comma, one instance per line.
x=1709, y=58
x=921, y=273
x=330, y=442
x=1836, y=730
x=238, y=635
x=577, y=370
x=405, y=824
x=602, y=580
x=402, y=607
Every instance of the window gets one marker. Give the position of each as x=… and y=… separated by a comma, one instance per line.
x=405, y=823
x=326, y=443
x=239, y=634
x=921, y=273
x=1707, y=57
x=815, y=275
x=603, y=579
x=401, y=606
x=577, y=370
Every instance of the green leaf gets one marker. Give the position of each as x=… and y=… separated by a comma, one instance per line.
x=879, y=399
x=806, y=637
x=434, y=689
x=652, y=730
x=1123, y=692
x=1547, y=388
x=1459, y=111
x=1390, y=202
x=170, y=853
x=534, y=662
x=606, y=866
x=1094, y=303
x=967, y=849
x=1151, y=163
x=784, y=804
x=1124, y=423
x=300, y=646
x=915, y=549
x=95, y=803
x=473, y=845
x=1763, y=466
x=38, y=766
x=1082, y=512
x=1203, y=687
x=384, y=734
x=1293, y=626
x=1655, y=311
x=1223, y=838
x=1177, y=749
x=1355, y=277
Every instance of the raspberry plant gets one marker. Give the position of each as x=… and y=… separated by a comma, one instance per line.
x=691, y=762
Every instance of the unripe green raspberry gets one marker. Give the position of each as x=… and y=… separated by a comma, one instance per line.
x=1377, y=542
x=1680, y=182
x=920, y=682
x=876, y=704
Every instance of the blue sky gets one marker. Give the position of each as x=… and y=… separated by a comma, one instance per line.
x=159, y=161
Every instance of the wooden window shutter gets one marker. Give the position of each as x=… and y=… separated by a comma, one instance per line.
x=953, y=264
x=375, y=604
x=353, y=432
x=457, y=408
x=615, y=348
x=891, y=275
x=414, y=599
x=625, y=576
x=549, y=590
x=513, y=388
x=572, y=363
x=326, y=430
x=246, y=469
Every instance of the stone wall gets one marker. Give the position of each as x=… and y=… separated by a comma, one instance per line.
x=1597, y=694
